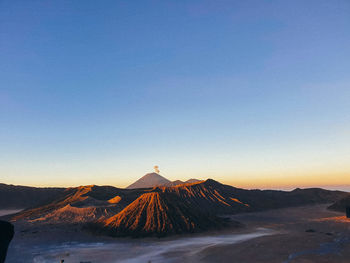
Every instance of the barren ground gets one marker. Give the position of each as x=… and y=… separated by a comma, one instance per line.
x=301, y=234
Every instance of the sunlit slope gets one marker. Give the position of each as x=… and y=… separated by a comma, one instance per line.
x=158, y=213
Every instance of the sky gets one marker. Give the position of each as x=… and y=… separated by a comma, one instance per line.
x=255, y=94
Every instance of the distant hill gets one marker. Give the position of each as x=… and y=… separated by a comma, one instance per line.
x=15, y=196
x=191, y=181
x=173, y=183
x=149, y=180
x=179, y=182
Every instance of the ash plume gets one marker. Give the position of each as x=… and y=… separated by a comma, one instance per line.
x=156, y=169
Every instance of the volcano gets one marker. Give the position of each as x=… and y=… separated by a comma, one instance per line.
x=149, y=180
x=159, y=214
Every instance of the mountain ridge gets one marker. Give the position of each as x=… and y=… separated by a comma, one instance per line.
x=187, y=208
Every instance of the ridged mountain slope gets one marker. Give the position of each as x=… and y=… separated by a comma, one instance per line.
x=158, y=214
x=217, y=198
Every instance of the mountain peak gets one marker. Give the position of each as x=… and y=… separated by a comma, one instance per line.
x=149, y=180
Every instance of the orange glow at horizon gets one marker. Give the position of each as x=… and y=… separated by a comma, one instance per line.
x=286, y=182
x=290, y=181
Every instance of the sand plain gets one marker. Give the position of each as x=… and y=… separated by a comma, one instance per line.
x=299, y=234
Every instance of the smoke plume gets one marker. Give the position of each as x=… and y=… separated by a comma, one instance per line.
x=156, y=169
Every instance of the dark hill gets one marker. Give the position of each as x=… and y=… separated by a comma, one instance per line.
x=15, y=196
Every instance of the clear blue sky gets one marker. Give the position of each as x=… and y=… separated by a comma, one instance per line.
x=251, y=93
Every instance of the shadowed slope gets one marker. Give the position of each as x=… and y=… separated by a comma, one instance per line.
x=341, y=204
x=214, y=197
x=158, y=214
x=209, y=196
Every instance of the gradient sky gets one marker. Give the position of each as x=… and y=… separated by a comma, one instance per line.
x=255, y=94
